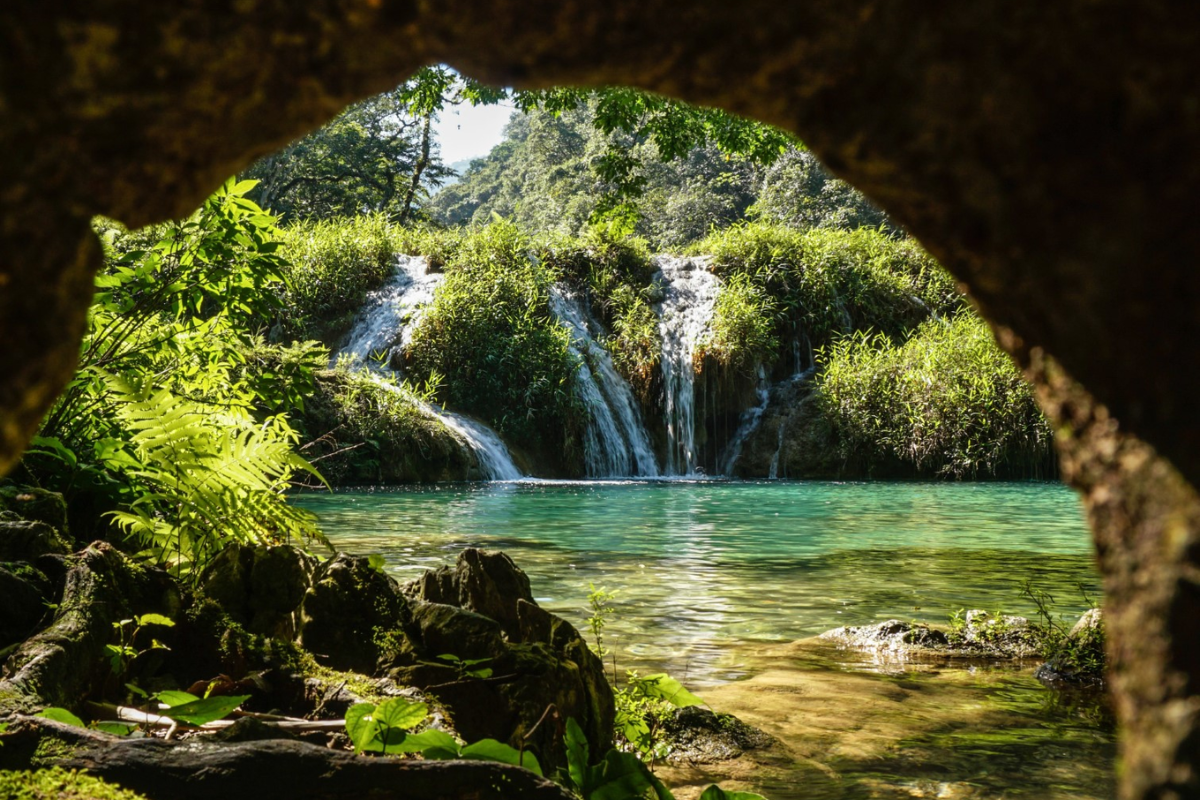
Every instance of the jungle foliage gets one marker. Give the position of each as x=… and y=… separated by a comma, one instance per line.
x=947, y=401
x=556, y=171
x=166, y=429
x=491, y=337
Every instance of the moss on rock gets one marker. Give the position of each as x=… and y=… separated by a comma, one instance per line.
x=59, y=784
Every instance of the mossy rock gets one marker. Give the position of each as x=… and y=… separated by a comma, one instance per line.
x=36, y=505
x=27, y=540
x=59, y=784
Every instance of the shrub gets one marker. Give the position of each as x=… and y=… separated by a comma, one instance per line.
x=828, y=282
x=365, y=429
x=947, y=401
x=491, y=335
x=742, y=333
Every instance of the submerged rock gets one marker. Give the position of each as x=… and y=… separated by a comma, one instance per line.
x=891, y=635
x=976, y=634
x=697, y=735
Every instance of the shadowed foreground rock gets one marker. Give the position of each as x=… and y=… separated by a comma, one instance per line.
x=1043, y=152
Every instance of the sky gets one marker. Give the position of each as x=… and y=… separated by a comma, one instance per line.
x=467, y=131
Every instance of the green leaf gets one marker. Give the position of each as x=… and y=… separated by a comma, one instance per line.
x=715, y=792
x=400, y=713
x=376, y=562
x=156, y=619
x=207, y=710
x=115, y=728
x=577, y=753
x=173, y=698
x=492, y=750
x=440, y=753
x=619, y=777
x=430, y=739
x=62, y=715
x=361, y=726
x=137, y=690
x=663, y=687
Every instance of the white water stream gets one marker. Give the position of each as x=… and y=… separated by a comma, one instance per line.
x=616, y=444
x=689, y=295
x=386, y=321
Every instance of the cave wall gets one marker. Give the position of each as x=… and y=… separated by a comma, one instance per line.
x=1043, y=152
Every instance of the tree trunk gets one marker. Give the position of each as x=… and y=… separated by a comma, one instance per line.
x=1145, y=520
x=418, y=169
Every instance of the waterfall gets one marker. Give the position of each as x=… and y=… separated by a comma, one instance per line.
x=689, y=294
x=390, y=313
x=615, y=443
x=773, y=472
x=495, y=462
x=386, y=321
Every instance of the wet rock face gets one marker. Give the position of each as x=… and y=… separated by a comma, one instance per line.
x=978, y=634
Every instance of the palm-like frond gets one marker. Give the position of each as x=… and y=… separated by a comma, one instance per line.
x=214, y=478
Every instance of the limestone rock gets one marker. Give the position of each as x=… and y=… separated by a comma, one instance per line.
x=37, y=505
x=530, y=659
x=484, y=581
x=261, y=587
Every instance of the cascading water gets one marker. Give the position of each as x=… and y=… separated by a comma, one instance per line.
x=389, y=314
x=689, y=295
x=616, y=443
x=386, y=321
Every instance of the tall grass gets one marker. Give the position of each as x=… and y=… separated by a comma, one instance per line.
x=947, y=401
x=827, y=282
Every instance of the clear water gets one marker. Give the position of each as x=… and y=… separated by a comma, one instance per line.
x=704, y=570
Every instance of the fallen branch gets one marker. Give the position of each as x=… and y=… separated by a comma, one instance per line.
x=139, y=717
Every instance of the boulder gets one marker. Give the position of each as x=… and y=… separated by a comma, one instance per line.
x=697, y=735
x=528, y=660
x=352, y=613
x=261, y=587
x=484, y=581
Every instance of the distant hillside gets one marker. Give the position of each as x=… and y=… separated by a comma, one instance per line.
x=542, y=176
